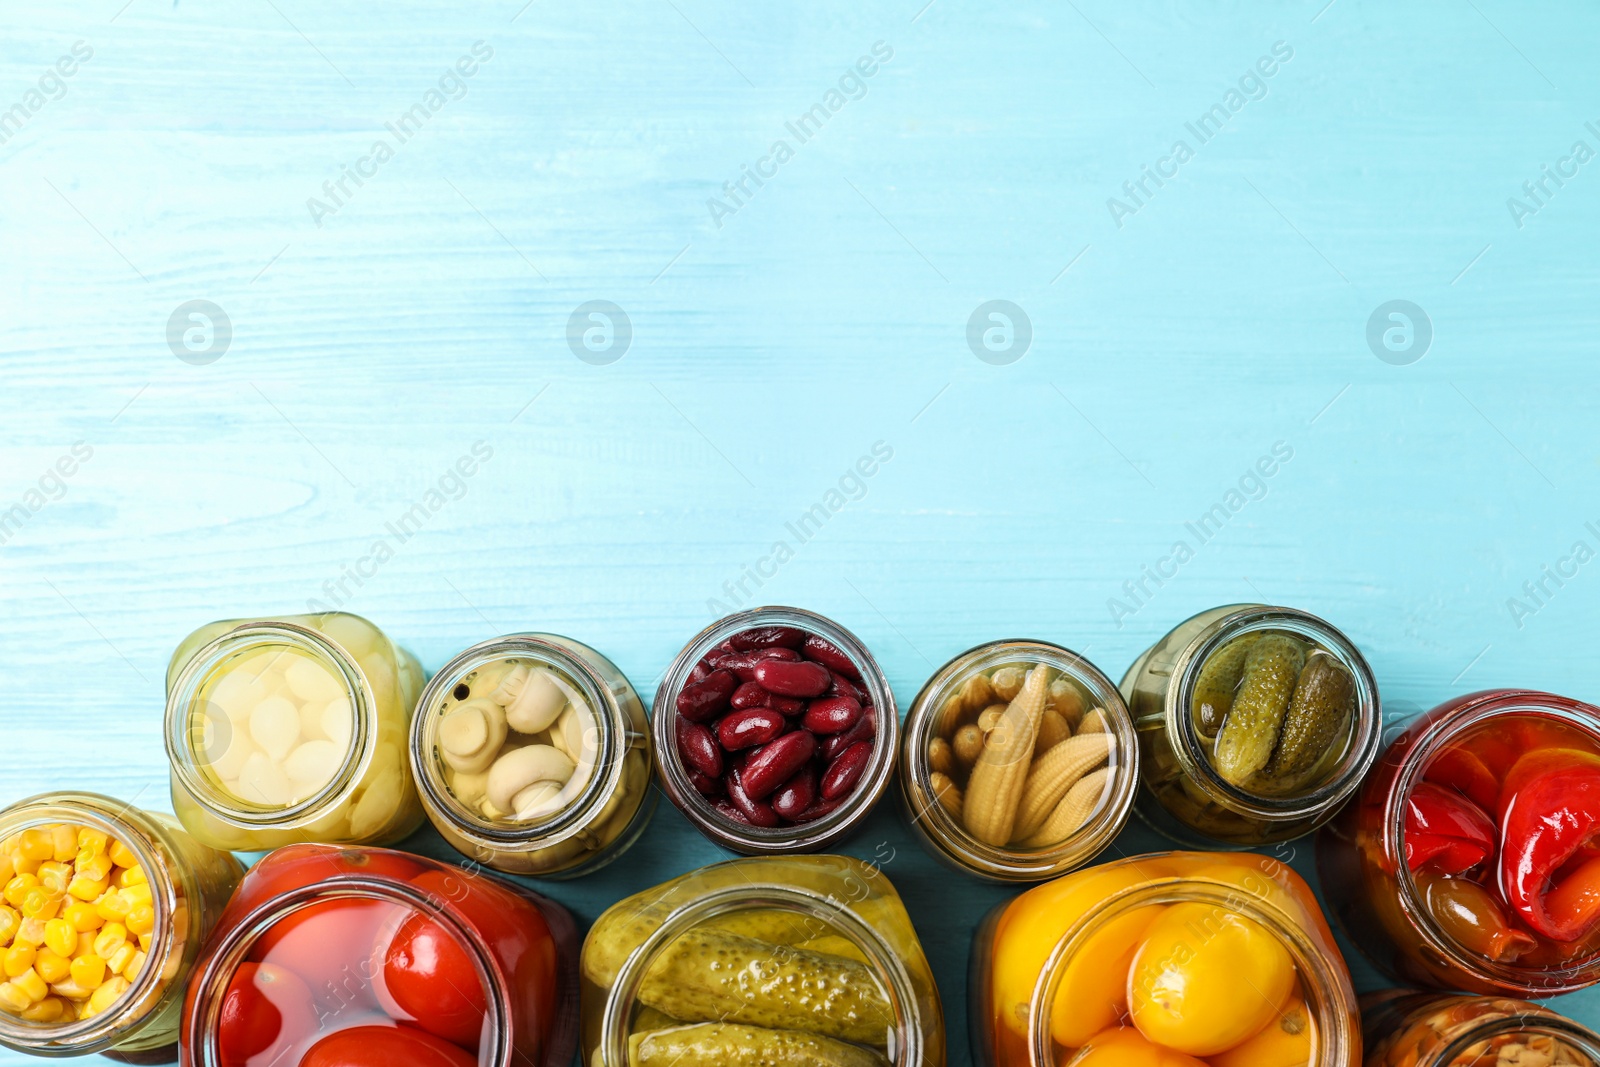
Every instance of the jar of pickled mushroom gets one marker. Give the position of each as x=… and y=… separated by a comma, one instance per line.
x=105, y=908
x=330, y=957
x=785, y=961
x=1406, y=1029
x=292, y=729
x=1471, y=859
x=532, y=755
x=1175, y=959
x=1020, y=761
x=775, y=731
x=1255, y=723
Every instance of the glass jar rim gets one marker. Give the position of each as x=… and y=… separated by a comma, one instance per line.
x=998, y=862
x=1359, y=756
x=223, y=956
x=137, y=1002
x=802, y=837
x=184, y=692
x=610, y=725
x=891, y=971
x=1420, y=750
x=1334, y=998
x=1542, y=1022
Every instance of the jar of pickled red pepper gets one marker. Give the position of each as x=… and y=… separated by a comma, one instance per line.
x=1020, y=761
x=1174, y=959
x=532, y=755
x=1406, y=1029
x=292, y=729
x=1472, y=858
x=793, y=961
x=105, y=908
x=328, y=957
x=1255, y=723
x=775, y=731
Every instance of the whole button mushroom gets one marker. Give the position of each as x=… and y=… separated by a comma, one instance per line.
x=533, y=699
x=520, y=768
x=471, y=734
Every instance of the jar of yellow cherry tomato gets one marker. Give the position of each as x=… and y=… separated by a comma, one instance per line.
x=292, y=729
x=1406, y=1029
x=105, y=908
x=1175, y=959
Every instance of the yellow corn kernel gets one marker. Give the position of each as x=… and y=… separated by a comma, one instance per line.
x=82, y=916
x=48, y=1010
x=135, y=965
x=145, y=941
x=18, y=958
x=88, y=972
x=64, y=841
x=18, y=887
x=85, y=943
x=93, y=841
x=10, y=920
x=97, y=867
x=36, y=844
x=32, y=985
x=141, y=920
x=13, y=999
x=113, y=907
x=22, y=864
x=54, y=876
x=8, y=866
x=60, y=937
x=107, y=994
x=132, y=876
x=41, y=903
x=31, y=932
x=85, y=888
x=122, y=855
x=120, y=959
x=52, y=967
x=110, y=938
x=72, y=990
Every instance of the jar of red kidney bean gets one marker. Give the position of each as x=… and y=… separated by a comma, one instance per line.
x=775, y=731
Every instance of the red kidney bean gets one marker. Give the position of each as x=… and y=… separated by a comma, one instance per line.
x=703, y=785
x=865, y=729
x=756, y=812
x=801, y=679
x=743, y=664
x=698, y=748
x=796, y=795
x=698, y=673
x=845, y=771
x=831, y=715
x=748, y=695
x=818, y=809
x=840, y=686
x=707, y=698
x=767, y=637
x=830, y=655
x=785, y=705
x=748, y=728
x=776, y=762
x=726, y=809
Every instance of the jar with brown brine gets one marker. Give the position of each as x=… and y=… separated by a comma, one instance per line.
x=1449, y=1030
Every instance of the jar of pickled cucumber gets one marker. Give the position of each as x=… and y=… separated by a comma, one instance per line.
x=1020, y=761
x=1255, y=724
x=531, y=753
x=105, y=909
x=1405, y=1029
x=798, y=961
x=1175, y=959
x=292, y=729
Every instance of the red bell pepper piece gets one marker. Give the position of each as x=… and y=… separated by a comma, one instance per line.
x=1463, y=771
x=1548, y=820
x=1445, y=830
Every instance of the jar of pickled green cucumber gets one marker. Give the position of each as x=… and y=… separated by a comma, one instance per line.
x=793, y=961
x=1255, y=725
x=531, y=753
x=292, y=729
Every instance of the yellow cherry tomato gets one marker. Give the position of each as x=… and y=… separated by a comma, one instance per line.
x=1207, y=978
x=1093, y=993
x=1286, y=1041
x=1126, y=1047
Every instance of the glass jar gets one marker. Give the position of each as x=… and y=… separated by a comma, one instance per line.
x=1423, y=869
x=292, y=729
x=552, y=730
x=800, y=959
x=1256, y=724
x=403, y=958
x=1061, y=754
x=1176, y=959
x=1406, y=1029
x=140, y=890
x=775, y=731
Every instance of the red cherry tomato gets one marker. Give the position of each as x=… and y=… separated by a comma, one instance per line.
x=385, y=1046
x=264, y=1009
x=431, y=978
x=329, y=944
x=296, y=865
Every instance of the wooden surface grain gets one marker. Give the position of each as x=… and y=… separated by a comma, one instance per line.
x=827, y=311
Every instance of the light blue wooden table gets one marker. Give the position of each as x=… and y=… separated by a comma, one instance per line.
x=1174, y=315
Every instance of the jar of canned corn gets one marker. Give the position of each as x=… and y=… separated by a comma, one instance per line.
x=105, y=908
x=290, y=730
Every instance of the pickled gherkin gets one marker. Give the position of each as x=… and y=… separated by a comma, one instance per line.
x=1318, y=713
x=726, y=1045
x=1250, y=732
x=1219, y=678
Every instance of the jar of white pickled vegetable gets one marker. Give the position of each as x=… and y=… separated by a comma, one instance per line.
x=292, y=729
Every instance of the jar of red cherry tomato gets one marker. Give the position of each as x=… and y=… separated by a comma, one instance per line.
x=1472, y=858
x=366, y=957
x=1405, y=1029
x=775, y=731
